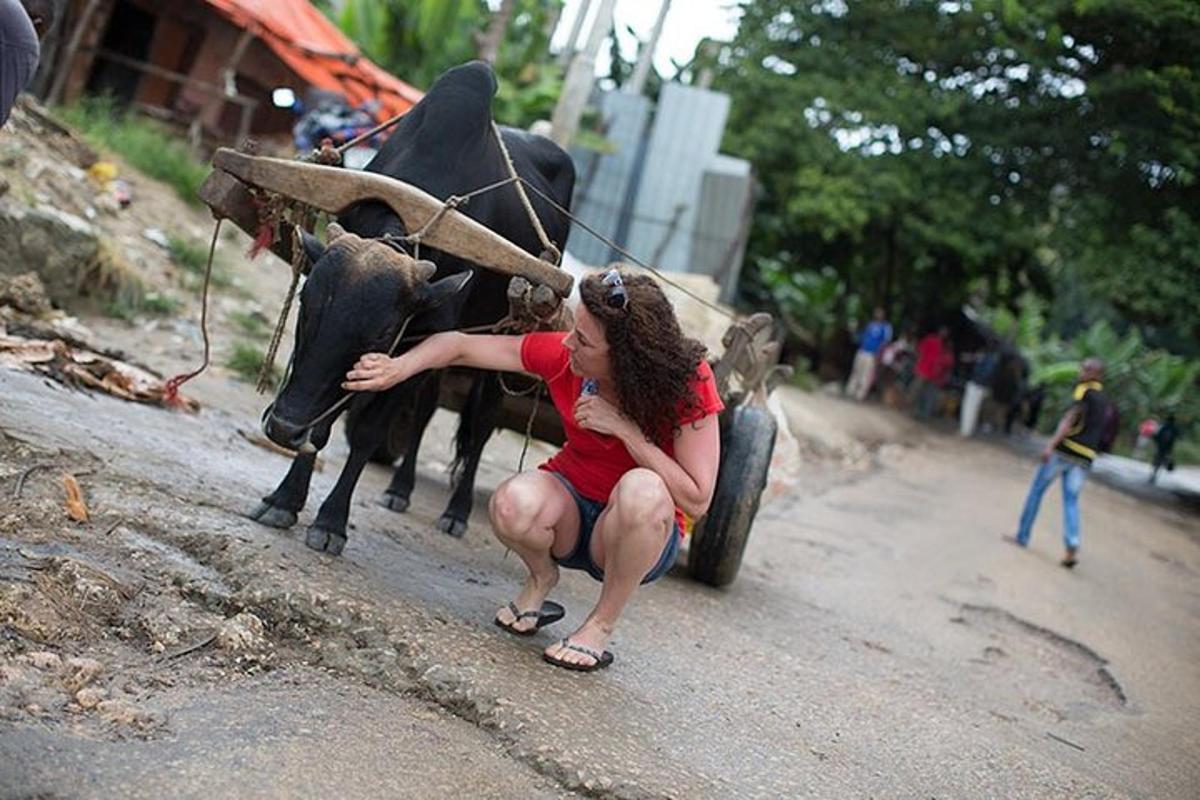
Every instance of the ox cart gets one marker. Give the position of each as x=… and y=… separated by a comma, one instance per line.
x=242, y=185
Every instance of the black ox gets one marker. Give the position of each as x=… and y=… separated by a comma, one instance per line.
x=360, y=289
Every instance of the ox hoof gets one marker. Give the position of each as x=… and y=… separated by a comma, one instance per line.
x=272, y=516
x=325, y=541
x=395, y=502
x=452, y=525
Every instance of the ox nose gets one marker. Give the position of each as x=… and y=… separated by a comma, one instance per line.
x=284, y=432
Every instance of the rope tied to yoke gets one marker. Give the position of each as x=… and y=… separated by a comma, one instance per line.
x=298, y=258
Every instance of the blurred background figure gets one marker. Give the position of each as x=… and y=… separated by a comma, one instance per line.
x=978, y=388
x=1145, y=435
x=935, y=358
x=22, y=24
x=1009, y=385
x=874, y=336
x=1164, y=443
x=896, y=368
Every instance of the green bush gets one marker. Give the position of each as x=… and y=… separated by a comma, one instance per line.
x=145, y=144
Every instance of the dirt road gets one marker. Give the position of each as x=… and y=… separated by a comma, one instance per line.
x=881, y=641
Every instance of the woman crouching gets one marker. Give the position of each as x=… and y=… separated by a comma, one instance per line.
x=639, y=407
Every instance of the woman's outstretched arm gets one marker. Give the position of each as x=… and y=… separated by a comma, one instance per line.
x=375, y=372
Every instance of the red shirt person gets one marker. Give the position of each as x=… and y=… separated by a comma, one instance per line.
x=639, y=406
x=935, y=359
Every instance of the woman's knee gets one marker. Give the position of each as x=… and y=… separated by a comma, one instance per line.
x=641, y=495
x=514, y=505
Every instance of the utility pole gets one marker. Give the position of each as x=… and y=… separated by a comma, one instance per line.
x=580, y=77
x=637, y=83
x=572, y=45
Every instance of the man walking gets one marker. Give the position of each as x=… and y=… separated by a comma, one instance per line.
x=1076, y=442
x=872, y=339
x=22, y=24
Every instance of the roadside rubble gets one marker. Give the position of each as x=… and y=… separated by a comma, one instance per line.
x=55, y=345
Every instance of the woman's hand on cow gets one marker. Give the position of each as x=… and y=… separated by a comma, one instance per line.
x=596, y=414
x=375, y=372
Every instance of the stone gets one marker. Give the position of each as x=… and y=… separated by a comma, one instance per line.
x=81, y=672
x=64, y=249
x=123, y=712
x=241, y=633
x=90, y=696
x=42, y=659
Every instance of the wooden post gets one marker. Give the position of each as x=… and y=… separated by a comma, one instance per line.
x=637, y=83
x=68, y=64
x=580, y=78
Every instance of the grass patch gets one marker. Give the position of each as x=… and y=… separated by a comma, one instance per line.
x=128, y=306
x=252, y=324
x=145, y=144
x=192, y=257
x=247, y=361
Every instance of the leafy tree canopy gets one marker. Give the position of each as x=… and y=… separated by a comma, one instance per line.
x=926, y=151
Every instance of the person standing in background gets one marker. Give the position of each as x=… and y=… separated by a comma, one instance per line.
x=872, y=339
x=934, y=360
x=22, y=25
x=1145, y=435
x=979, y=386
x=1164, y=443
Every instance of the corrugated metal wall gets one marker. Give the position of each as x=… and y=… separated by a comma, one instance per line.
x=667, y=196
x=718, y=240
x=603, y=181
x=686, y=136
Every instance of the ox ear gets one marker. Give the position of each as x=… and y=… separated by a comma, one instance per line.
x=313, y=249
x=434, y=294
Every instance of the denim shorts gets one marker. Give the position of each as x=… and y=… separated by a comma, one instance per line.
x=581, y=556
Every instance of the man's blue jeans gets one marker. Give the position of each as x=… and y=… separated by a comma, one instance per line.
x=1073, y=476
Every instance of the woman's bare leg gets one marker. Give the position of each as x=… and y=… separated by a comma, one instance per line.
x=535, y=516
x=627, y=542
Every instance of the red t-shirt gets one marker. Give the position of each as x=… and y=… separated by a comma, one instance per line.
x=592, y=462
x=933, y=359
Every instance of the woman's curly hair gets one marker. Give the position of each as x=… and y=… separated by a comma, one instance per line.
x=653, y=363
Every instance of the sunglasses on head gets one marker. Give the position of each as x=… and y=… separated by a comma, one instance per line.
x=616, y=297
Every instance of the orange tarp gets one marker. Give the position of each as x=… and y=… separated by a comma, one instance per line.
x=318, y=52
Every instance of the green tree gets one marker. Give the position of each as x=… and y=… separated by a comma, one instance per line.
x=417, y=40
x=930, y=150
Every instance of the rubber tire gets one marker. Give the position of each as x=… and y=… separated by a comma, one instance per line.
x=719, y=537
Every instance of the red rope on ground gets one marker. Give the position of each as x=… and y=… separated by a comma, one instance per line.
x=171, y=396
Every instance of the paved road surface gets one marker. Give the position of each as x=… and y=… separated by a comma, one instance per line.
x=882, y=640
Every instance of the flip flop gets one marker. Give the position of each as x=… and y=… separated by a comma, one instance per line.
x=549, y=614
x=601, y=660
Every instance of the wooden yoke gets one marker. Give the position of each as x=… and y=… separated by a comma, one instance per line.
x=333, y=190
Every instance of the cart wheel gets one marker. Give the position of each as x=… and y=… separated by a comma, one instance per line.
x=392, y=448
x=719, y=538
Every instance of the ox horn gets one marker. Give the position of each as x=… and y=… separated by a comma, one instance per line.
x=424, y=269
